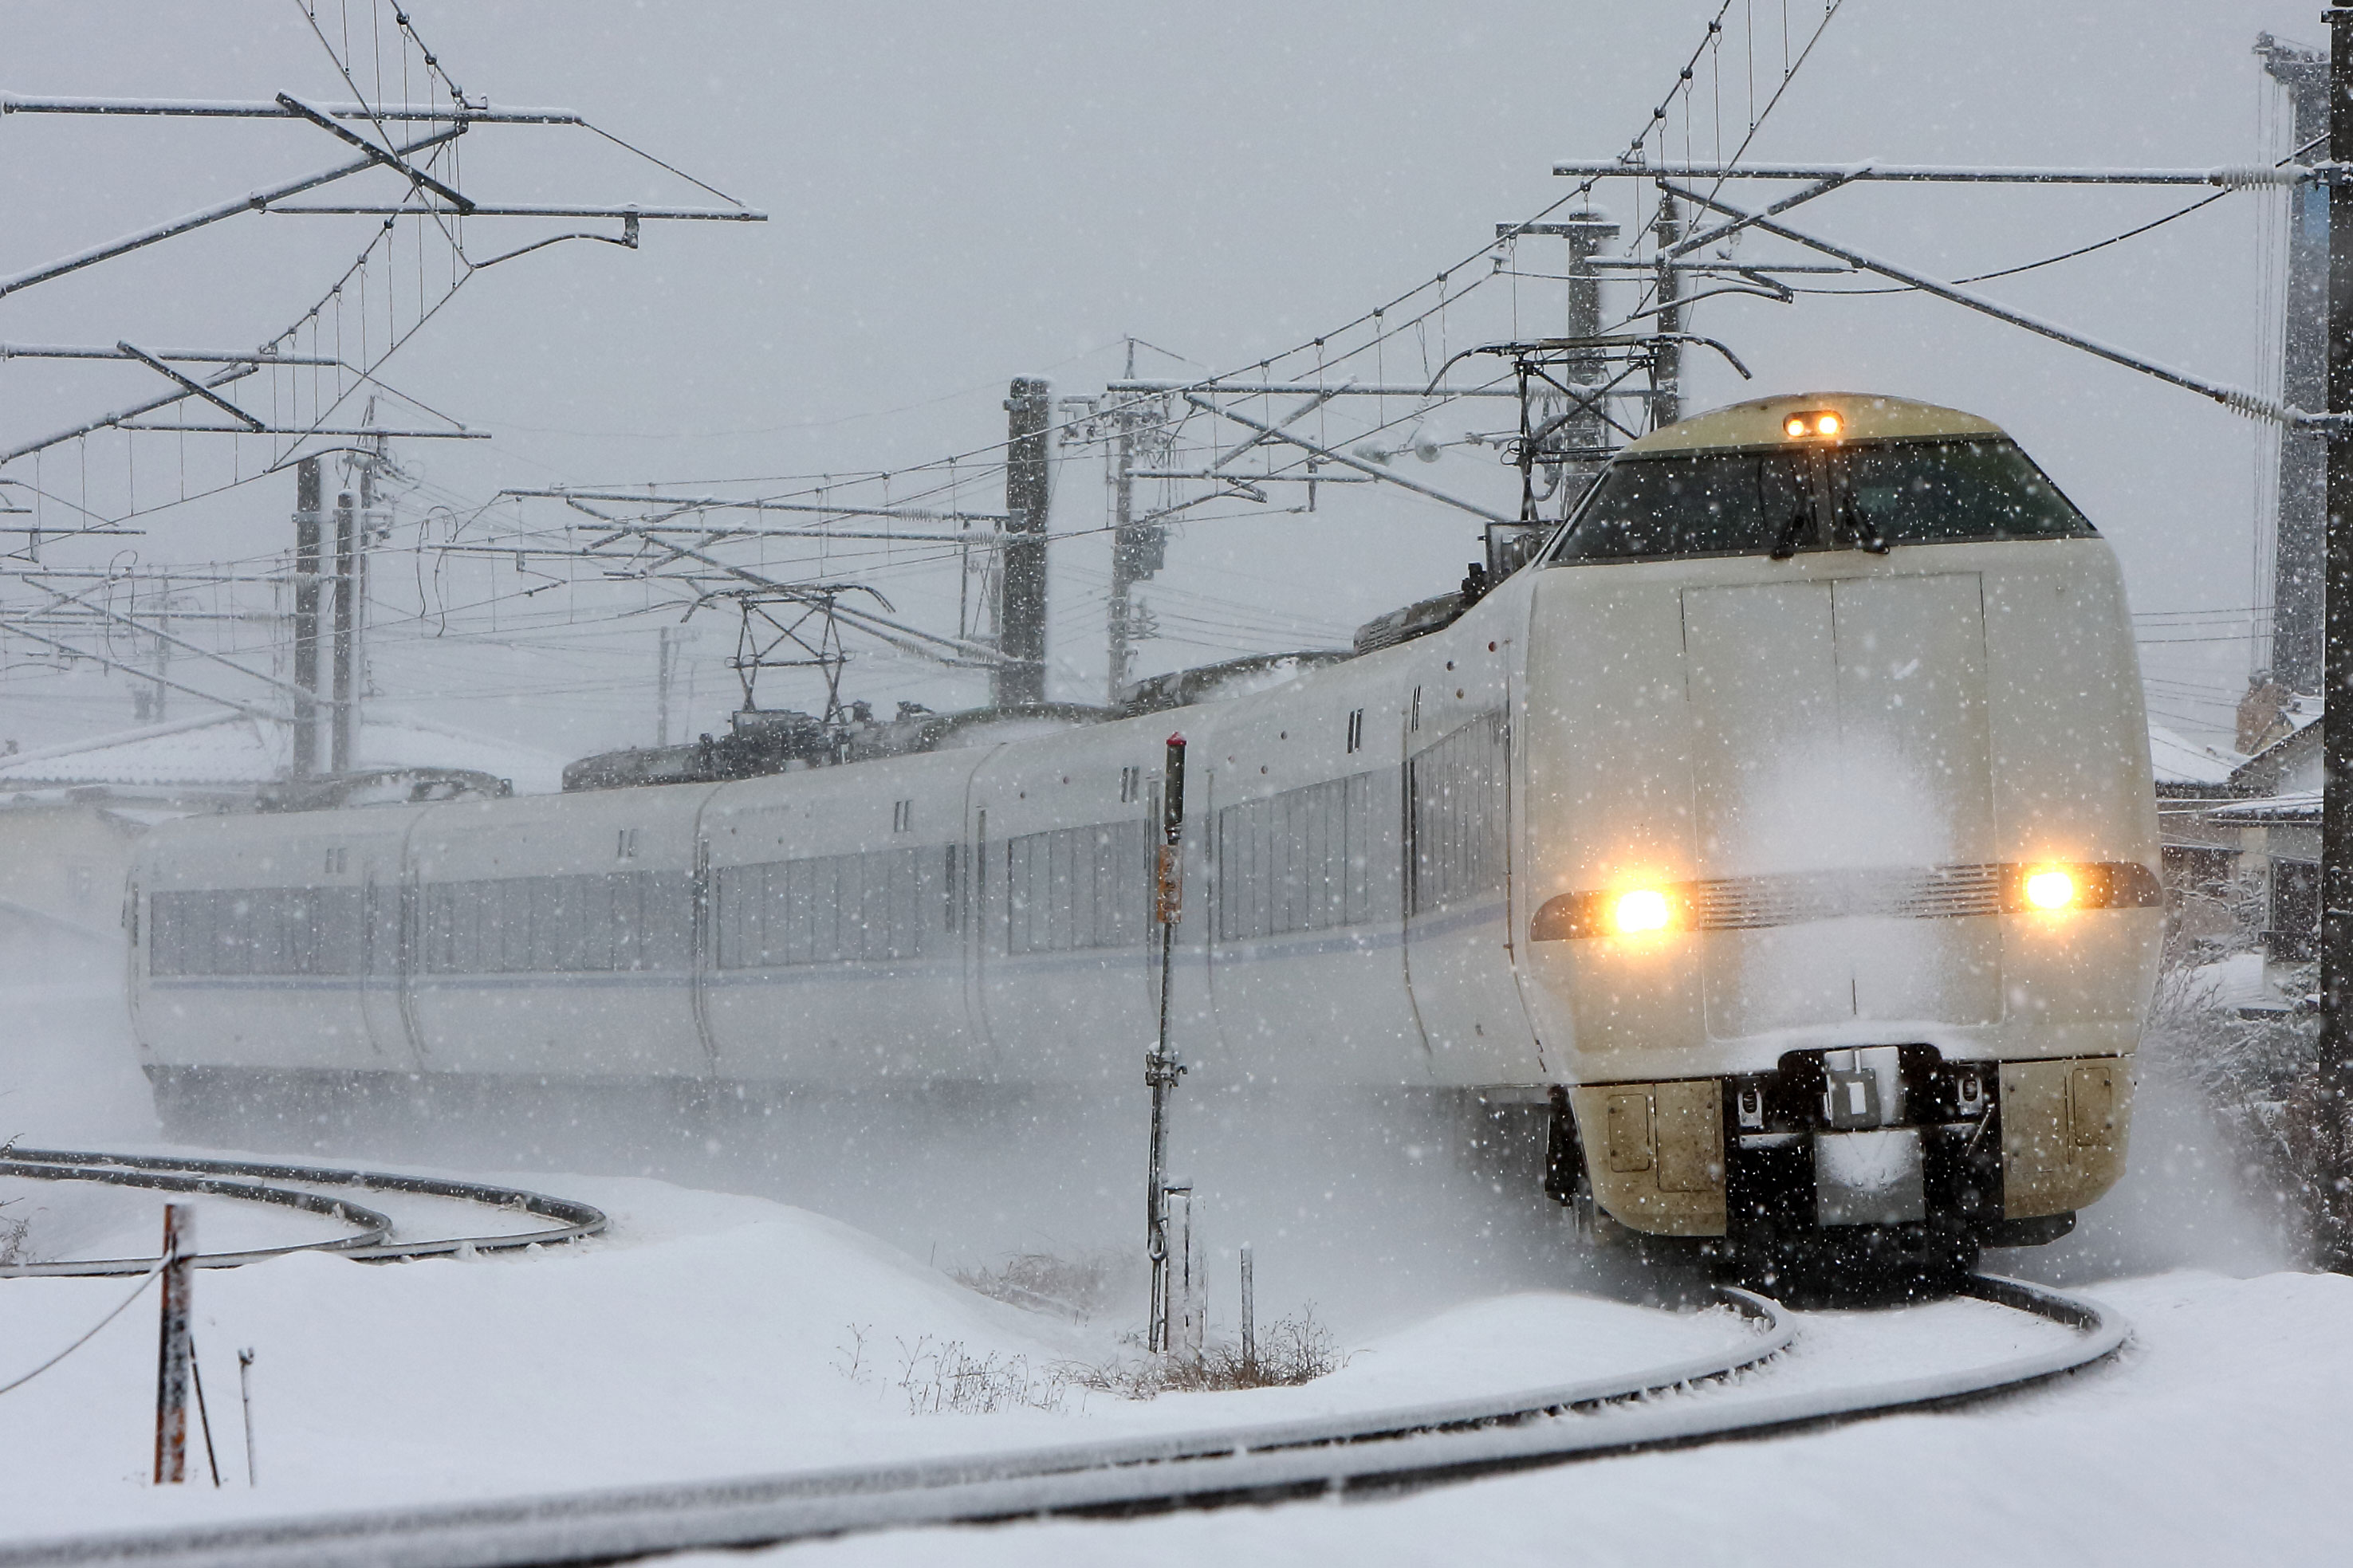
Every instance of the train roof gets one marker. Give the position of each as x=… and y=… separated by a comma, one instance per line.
x=1758, y=423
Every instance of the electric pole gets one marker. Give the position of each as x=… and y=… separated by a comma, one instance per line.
x=1022, y=626
x=1122, y=576
x=666, y=680
x=306, y=618
x=2332, y=1148
x=1667, y=362
x=2298, y=544
x=1136, y=551
x=346, y=627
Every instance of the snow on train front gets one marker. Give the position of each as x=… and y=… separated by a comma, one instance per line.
x=1840, y=843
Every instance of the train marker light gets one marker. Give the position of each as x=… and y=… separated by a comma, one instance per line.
x=1822, y=422
x=1644, y=909
x=2051, y=889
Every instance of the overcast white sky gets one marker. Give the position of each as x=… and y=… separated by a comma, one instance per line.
x=961, y=195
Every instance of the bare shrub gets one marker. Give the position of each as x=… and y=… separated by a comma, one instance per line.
x=2254, y=1072
x=1289, y=1351
x=946, y=1376
x=15, y=1242
x=1073, y=1287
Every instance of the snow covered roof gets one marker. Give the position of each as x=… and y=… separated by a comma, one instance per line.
x=2263, y=771
x=235, y=752
x=2301, y=807
x=2179, y=762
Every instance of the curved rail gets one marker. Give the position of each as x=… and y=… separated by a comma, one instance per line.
x=1386, y=1450
x=185, y=1173
x=373, y=1227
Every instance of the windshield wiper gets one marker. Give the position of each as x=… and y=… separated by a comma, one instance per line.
x=1786, y=545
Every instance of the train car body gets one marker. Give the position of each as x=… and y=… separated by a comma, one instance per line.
x=1784, y=837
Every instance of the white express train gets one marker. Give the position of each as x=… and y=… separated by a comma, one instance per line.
x=1786, y=829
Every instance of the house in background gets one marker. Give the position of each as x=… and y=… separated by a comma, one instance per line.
x=2203, y=898
x=2275, y=814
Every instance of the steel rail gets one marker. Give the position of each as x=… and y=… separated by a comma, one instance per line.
x=574, y=1221
x=374, y=1226
x=1367, y=1454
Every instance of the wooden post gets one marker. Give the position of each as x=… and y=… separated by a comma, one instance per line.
x=1249, y=1315
x=172, y=1360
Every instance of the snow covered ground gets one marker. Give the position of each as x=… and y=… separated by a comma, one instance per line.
x=713, y=1335
x=708, y=1335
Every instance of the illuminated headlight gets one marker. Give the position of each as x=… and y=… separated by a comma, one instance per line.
x=1642, y=910
x=1821, y=422
x=1632, y=912
x=2051, y=888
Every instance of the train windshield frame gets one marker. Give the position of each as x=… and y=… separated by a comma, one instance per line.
x=1804, y=498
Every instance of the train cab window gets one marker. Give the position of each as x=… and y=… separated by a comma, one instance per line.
x=1782, y=501
x=1716, y=503
x=1933, y=492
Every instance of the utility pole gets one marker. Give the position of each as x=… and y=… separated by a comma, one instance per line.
x=666, y=680
x=346, y=627
x=2298, y=539
x=1586, y=230
x=1136, y=551
x=1667, y=362
x=1021, y=625
x=1122, y=564
x=306, y=617
x=2332, y=1140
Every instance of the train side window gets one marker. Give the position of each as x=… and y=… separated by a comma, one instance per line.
x=902, y=816
x=1356, y=730
x=626, y=847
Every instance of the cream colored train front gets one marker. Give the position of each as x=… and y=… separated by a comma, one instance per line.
x=1840, y=840
x=1783, y=839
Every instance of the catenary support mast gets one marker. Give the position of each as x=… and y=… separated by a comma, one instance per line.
x=2332, y=1148
x=307, y=502
x=1021, y=630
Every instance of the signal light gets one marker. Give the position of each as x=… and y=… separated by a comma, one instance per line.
x=1821, y=422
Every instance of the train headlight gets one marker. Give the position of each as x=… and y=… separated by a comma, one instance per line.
x=1641, y=909
x=2050, y=890
x=1821, y=422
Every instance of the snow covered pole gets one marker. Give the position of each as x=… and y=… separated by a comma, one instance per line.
x=2332, y=1091
x=1161, y=1069
x=172, y=1360
x=245, y=1396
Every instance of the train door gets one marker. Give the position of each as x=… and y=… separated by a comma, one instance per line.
x=386, y=920
x=1457, y=823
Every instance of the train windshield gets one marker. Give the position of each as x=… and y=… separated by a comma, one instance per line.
x=1783, y=500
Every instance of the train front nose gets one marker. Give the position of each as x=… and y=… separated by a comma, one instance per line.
x=1802, y=960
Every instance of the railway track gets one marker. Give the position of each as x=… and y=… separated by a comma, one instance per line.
x=1346, y=1455
x=323, y=1190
